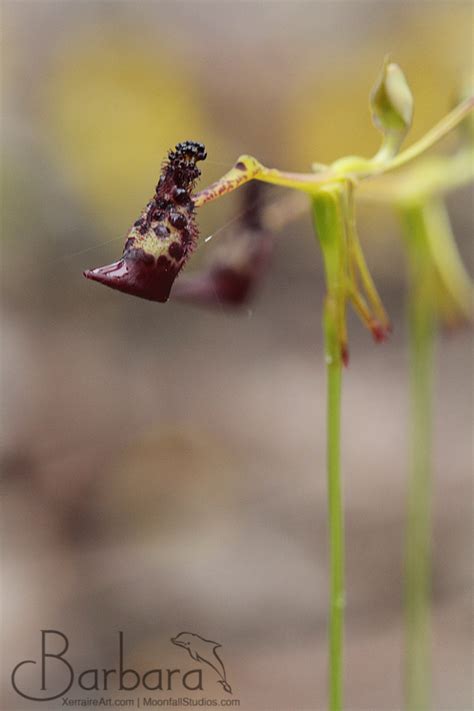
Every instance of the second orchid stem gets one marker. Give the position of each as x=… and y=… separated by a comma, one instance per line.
x=418, y=530
x=336, y=532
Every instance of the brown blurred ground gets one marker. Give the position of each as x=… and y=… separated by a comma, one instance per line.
x=164, y=466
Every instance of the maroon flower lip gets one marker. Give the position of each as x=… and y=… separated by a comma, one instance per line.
x=160, y=242
x=140, y=276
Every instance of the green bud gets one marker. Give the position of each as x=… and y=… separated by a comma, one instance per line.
x=391, y=101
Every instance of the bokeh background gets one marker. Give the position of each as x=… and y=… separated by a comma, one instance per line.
x=163, y=466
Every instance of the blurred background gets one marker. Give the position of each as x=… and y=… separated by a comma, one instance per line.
x=163, y=465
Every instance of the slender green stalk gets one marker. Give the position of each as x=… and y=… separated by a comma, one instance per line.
x=418, y=535
x=329, y=219
x=336, y=534
x=418, y=530
x=434, y=135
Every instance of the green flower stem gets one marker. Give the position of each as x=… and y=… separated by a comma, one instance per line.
x=434, y=135
x=416, y=219
x=328, y=211
x=336, y=534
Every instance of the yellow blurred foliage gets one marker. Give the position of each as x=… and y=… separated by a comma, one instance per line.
x=113, y=108
x=330, y=117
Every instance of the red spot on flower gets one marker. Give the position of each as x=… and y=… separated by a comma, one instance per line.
x=380, y=332
x=178, y=220
x=345, y=355
x=176, y=250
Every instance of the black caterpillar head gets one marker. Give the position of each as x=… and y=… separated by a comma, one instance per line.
x=162, y=239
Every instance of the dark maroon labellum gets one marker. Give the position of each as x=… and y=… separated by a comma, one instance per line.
x=160, y=242
x=137, y=277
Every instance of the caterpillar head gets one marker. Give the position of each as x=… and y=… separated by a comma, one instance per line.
x=159, y=243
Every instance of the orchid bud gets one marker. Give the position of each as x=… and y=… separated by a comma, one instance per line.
x=391, y=102
x=162, y=239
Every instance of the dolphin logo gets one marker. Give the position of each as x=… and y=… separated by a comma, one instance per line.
x=205, y=651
